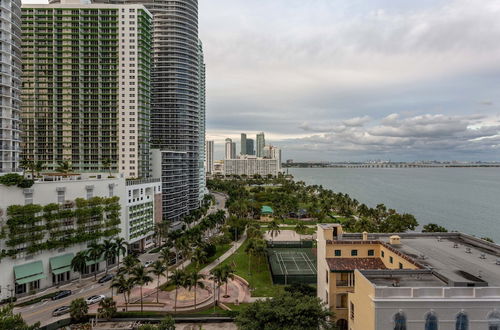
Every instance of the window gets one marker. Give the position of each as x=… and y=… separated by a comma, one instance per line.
x=462, y=322
x=371, y=253
x=383, y=254
x=494, y=321
x=431, y=321
x=338, y=253
x=60, y=196
x=400, y=266
x=391, y=260
x=90, y=193
x=354, y=253
x=352, y=311
x=400, y=321
x=327, y=276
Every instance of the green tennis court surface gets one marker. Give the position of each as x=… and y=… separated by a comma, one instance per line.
x=292, y=265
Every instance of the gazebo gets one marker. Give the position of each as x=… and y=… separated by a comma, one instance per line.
x=266, y=212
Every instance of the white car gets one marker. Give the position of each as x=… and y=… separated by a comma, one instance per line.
x=94, y=299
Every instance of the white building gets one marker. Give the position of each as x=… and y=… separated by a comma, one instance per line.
x=273, y=152
x=209, y=158
x=251, y=165
x=44, y=226
x=230, y=149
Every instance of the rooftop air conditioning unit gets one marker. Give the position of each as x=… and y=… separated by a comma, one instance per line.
x=482, y=256
x=467, y=250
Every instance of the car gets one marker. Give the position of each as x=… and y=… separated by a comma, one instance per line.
x=148, y=263
x=106, y=278
x=61, y=294
x=94, y=299
x=60, y=311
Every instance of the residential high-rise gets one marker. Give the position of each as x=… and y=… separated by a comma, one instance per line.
x=233, y=150
x=272, y=152
x=175, y=117
x=229, y=150
x=86, y=86
x=243, y=147
x=250, y=148
x=261, y=142
x=10, y=78
x=209, y=158
x=201, y=154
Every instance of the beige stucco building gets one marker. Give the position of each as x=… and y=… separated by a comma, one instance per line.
x=408, y=281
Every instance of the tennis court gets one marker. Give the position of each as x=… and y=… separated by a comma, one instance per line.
x=292, y=265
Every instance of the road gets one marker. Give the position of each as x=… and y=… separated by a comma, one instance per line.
x=43, y=311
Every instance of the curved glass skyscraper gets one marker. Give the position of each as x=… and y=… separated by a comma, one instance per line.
x=175, y=108
x=10, y=85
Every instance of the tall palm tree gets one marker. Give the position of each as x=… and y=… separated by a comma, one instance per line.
x=140, y=276
x=199, y=257
x=273, y=229
x=121, y=284
x=227, y=274
x=26, y=165
x=249, y=250
x=216, y=275
x=129, y=262
x=158, y=268
x=109, y=251
x=121, y=247
x=177, y=279
x=106, y=163
x=194, y=279
x=165, y=258
x=95, y=252
x=38, y=167
x=300, y=229
x=79, y=263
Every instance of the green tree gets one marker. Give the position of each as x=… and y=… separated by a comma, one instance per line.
x=227, y=274
x=165, y=258
x=158, y=268
x=106, y=163
x=300, y=229
x=140, y=276
x=434, y=228
x=168, y=323
x=64, y=167
x=194, y=279
x=123, y=285
x=78, y=309
x=177, y=279
x=109, y=251
x=121, y=247
x=9, y=320
x=199, y=257
x=301, y=288
x=38, y=167
x=273, y=229
x=107, y=308
x=79, y=263
x=94, y=252
x=286, y=311
x=129, y=262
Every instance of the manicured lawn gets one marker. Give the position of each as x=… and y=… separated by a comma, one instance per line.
x=309, y=231
x=235, y=307
x=260, y=278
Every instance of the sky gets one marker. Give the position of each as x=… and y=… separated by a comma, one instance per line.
x=352, y=80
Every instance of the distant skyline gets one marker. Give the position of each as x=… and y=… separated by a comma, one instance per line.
x=355, y=80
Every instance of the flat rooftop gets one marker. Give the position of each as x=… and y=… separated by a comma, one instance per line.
x=458, y=259
x=401, y=279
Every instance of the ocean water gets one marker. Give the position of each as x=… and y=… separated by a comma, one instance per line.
x=462, y=199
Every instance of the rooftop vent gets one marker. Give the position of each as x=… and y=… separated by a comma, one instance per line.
x=396, y=284
x=498, y=262
x=455, y=245
x=467, y=250
x=423, y=256
x=394, y=240
x=482, y=256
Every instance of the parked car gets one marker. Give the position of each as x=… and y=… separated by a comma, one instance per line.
x=105, y=278
x=61, y=294
x=94, y=299
x=60, y=311
x=148, y=263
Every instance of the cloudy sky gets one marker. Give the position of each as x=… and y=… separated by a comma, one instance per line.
x=356, y=80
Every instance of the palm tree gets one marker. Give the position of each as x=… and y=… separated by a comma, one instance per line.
x=199, y=257
x=106, y=163
x=227, y=273
x=249, y=250
x=107, y=308
x=121, y=247
x=140, y=276
x=121, y=284
x=178, y=279
x=158, y=268
x=216, y=275
x=78, y=309
x=109, y=251
x=26, y=164
x=194, y=279
x=94, y=253
x=129, y=262
x=273, y=229
x=79, y=263
x=64, y=167
x=38, y=167
x=165, y=257
x=301, y=230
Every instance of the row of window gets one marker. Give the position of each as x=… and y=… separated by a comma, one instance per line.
x=461, y=321
x=354, y=253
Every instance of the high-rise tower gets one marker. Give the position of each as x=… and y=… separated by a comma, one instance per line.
x=86, y=86
x=243, y=144
x=209, y=158
x=10, y=79
x=201, y=142
x=261, y=142
x=175, y=115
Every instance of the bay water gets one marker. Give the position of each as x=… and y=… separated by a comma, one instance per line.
x=461, y=199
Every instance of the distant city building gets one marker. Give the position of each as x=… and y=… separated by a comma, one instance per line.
x=289, y=161
x=218, y=167
x=260, y=143
x=202, y=121
x=229, y=149
x=251, y=165
x=243, y=147
x=10, y=77
x=75, y=105
x=250, y=147
x=209, y=158
x=408, y=280
x=233, y=150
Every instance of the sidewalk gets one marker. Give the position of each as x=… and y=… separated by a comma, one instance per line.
x=227, y=254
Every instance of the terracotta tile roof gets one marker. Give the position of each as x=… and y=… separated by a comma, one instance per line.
x=344, y=264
